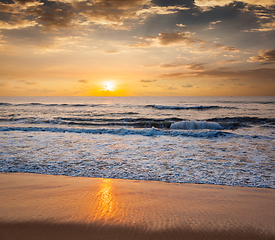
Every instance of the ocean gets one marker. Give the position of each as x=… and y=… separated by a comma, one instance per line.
x=213, y=140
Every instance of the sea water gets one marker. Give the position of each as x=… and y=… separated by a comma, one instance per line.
x=214, y=140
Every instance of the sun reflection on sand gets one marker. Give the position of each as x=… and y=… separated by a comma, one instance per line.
x=105, y=207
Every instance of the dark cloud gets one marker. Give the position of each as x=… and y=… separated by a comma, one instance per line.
x=265, y=15
x=54, y=16
x=264, y=56
x=24, y=2
x=111, y=13
x=231, y=17
x=187, y=3
x=6, y=1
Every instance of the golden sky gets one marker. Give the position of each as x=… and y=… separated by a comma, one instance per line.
x=137, y=48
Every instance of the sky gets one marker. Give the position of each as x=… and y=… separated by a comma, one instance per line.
x=137, y=48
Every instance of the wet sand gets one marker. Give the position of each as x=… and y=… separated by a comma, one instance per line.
x=34, y=206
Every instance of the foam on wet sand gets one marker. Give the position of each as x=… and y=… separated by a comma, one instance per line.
x=34, y=206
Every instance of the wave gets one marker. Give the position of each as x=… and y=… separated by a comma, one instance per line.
x=252, y=120
x=191, y=125
x=248, y=102
x=133, y=122
x=163, y=107
x=225, y=123
x=5, y=104
x=51, y=104
x=152, y=132
x=237, y=122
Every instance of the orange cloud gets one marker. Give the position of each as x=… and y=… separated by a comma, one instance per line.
x=165, y=39
x=227, y=48
x=264, y=56
x=83, y=81
x=148, y=81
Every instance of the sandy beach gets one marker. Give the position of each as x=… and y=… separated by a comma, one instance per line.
x=34, y=206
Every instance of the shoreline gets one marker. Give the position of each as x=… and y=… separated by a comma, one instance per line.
x=37, y=206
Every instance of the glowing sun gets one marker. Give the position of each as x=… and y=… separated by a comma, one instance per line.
x=109, y=86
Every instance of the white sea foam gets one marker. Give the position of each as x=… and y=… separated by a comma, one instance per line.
x=191, y=125
x=162, y=158
x=231, y=142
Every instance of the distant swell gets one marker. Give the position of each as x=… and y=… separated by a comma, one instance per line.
x=162, y=107
x=51, y=105
x=251, y=120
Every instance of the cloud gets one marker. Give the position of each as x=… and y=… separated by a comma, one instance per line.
x=83, y=81
x=228, y=61
x=186, y=3
x=28, y=2
x=174, y=38
x=172, y=65
x=171, y=75
x=265, y=16
x=54, y=16
x=165, y=39
x=3, y=84
x=212, y=24
x=195, y=66
x=227, y=48
x=187, y=86
x=212, y=3
x=142, y=43
x=178, y=38
x=28, y=82
x=190, y=66
x=17, y=25
x=170, y=88
x=264, y=56
x=150, y=65
x=254, y=74
x=112, y=13
x=154, y=10
x=111, y=51
x=147, y=81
